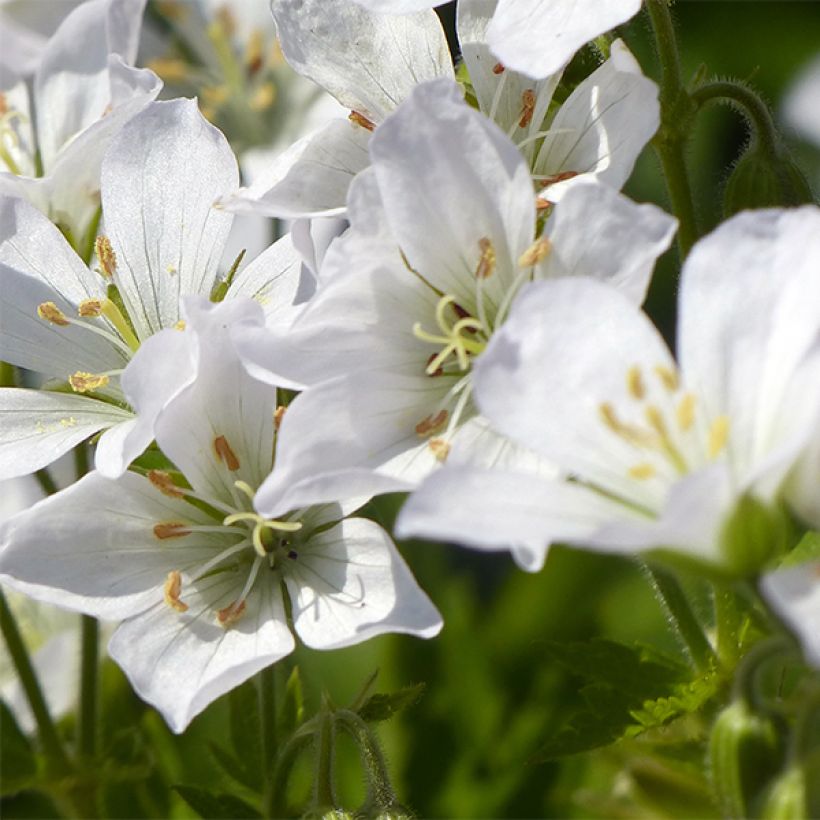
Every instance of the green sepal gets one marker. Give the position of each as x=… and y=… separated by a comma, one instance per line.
x=292, y=710
x=213, y=806
x=807, y=549
x=19, y=762
x=382, y=706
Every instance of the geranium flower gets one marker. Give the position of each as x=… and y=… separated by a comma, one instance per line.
x=193, y=570
x=695, y=457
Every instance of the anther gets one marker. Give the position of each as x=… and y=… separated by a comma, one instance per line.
x=535, y=253
x=498, y=68
x=171, y=591
x=486, y=263
x=440, y=448
x=171, y=529
x=254, y=57
x=90, y=308
x=82, y=382
x=360, y=119
x=718, y=435
x=560, y=177
x=278, y=415
x=105, y=253
x=528, y=103
x=668, y=377
x=263, y=98
x=230, y=614
x=642, y=471
x=179, y=324
x=225, y=454
x=634, y=382
x=432, y=424
x=51, y=313
x=164, y=483
x=686, y=412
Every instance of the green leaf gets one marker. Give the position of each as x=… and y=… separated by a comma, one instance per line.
x=807, y=549
x=19, y=763
x=245, y=720
x=234, y=767
x=383, y=706
x=292, y=711
x=215, y=806
x=686, y=698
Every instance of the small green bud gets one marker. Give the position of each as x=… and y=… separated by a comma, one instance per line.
x=754, y=534
x=786, y=797
x=744, y=750
x=761, y=179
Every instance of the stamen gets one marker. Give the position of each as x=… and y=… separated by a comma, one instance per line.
x=642, y=471
x=179, y=325
x=528, y=103
x=225, y=454
x=686, y=412
x=171, y=529
x=432, y=424
x=230, y=614
x=278, y=415
x=105, y=253
x=498, y=68
x=629, y=432
x=440, y=448
x=535, y=253
x=657, y=423
x=668, y=377
x=51, y=313
x=165, y=484
x=718, y=435
x=171, y=591
x=634, y=382
x=360, y=119
x=486, y=263
x=254, y=52
x=263, y=98
x=169, y=69
x=553, y=178
x=114, y=315
x=542, y=204
x=90, y=308
x=82, y=382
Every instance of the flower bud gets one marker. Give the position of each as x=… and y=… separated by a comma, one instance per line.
x=786, y=798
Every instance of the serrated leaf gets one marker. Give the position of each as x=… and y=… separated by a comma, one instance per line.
x=383, y=706
x=292, y=711
x=214, y=806
x=685, y=698
x=19, y=763
x=245, y=720
x=234, y=767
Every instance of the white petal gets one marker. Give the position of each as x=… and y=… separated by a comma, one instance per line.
x=369, y=62
x=399, y=6
x=18, y=141
x=92, y=548
x=597, y=232
x=349, y=584
x=160, y=178
x=311, y=178
x=37, y=427
x=604, y=124
x=537, y=37
x=180, y=663
x=794, y=593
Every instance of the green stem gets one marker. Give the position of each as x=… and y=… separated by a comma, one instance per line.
x=677, y=112
x=46, y=729
x=267, y=723
x=46, y=482
x=275, y=802
x=681, y=617
x=728, y=621
x=324, y=792
x=89, y=688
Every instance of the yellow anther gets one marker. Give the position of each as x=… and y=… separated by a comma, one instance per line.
x=528, y=107
x=4, y=106
x=634, y=382
x=164, y=483
x=225, y=454
x=171, y=591
x=686, y=412
x=230, y=614
x=82, y=382
x=90, y=308
x=69, y=422
x=215, y=95
x=360, y=119
x=225, y=18
x=440, y=448
x=51, y=313
x=657, y=422
x=180, y=324
x=535, y=253
x=171, y=529
x=169, y=69
x=432, y=424
x=263, y=98
x=610, y=419
x=718, y=435
x=642, y=471
x=278, y=415
x=255, y=51
x=669, y=378
x=105, y=253
x=171, y=270
x=486, y=263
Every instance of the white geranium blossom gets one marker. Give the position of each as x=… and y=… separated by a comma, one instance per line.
x=535, y=37
x=371, y=62
x=443, y=235
x=84, y=90
x=197, y=574
x=81, y=327
x=654, y=454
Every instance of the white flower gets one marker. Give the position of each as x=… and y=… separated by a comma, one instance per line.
x=535, y=37
x=443, y=236
x=654, y=455
x=84, y=91
x=163, y=240
x=371, y=62
x=197, y=574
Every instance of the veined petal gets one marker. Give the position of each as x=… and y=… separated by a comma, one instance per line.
x=604, y=124
x=37, y=427
x=92, y=547
x=597, y=232
x=537, y=37
x=399, y=6
x=311, y=178
x=181, y=662
x=794, y=593
x=349, y=584
x=369, y=62
x=160, y=178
